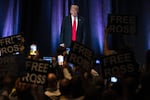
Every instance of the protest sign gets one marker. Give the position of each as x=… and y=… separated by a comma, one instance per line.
x=118, y=64
x=124, y=24
x=11, y=44
x=11, y=64
x=81, y=55
x=36, y=71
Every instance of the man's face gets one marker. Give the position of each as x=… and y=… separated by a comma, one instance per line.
x=74, y=10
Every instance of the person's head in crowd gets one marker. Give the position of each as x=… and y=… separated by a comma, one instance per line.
x=65, y=87
x=9, y=81
x=23, y=90
x=52, y=91
x=77, y=86
x=95, y=88
x=109, y=94
x=74, y=9
x=99, y=82
x=20, y=86
x=8, y=84
x=91, y=93
x=52, y=81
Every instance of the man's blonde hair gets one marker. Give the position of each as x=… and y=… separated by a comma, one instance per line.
x=75, y=7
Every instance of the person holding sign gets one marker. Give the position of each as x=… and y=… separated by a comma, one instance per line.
x=73, y=27
x=107, y=51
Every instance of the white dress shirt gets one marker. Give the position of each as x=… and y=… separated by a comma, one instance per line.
x=72, y=18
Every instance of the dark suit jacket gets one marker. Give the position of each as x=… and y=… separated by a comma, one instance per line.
x=66, y=31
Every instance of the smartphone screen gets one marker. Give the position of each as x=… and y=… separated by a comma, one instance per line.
x=60, y=59
x=33, y=49
x=114, y=79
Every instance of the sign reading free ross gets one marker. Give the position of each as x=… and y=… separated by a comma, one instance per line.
x=125, y=24
x=81, y=55
x=11, y=64
x=11, y=44
x=119, y=64
x=36, y=71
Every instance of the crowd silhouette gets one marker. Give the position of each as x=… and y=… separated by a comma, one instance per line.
x=73, y=82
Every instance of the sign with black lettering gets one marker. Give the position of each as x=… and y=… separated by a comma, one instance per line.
x=36, y=71
x=119, y=64
x=81, y=55
x=125, y=24
x=12, y=65
x=11, y=44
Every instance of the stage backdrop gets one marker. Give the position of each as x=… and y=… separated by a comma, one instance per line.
x=40, y=21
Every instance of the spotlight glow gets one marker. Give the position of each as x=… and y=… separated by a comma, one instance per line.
x=11, y=23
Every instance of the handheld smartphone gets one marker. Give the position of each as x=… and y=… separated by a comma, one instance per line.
x=60, y=59
x=33, y=49
x=97, y=61
x=114, y=79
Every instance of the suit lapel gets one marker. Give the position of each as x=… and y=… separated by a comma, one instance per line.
x=79, y=23
x=70, y=23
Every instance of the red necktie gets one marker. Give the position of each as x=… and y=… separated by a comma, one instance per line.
x=74, y=30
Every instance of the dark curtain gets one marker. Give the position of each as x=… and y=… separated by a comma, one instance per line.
x=10, y=16
x=40, y=21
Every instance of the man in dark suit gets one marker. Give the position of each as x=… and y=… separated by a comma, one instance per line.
x=73, y=27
